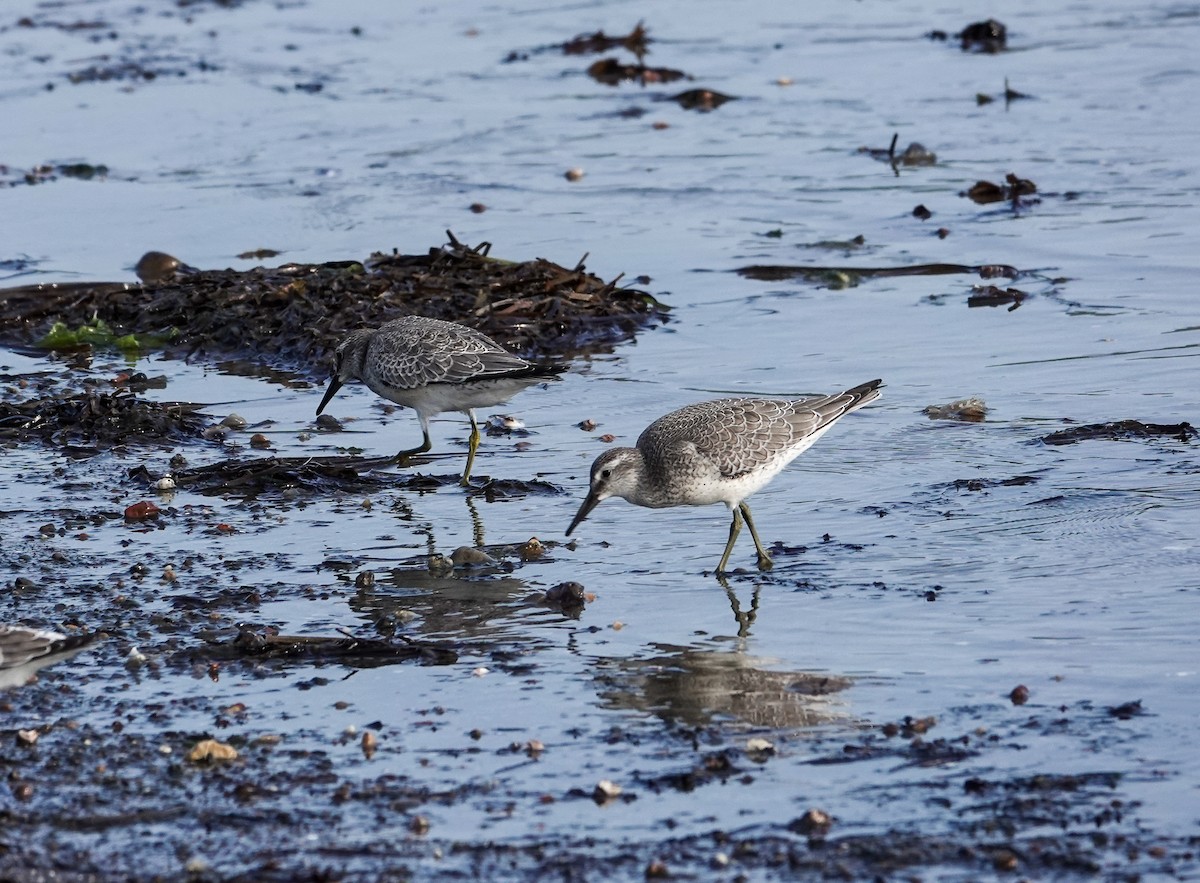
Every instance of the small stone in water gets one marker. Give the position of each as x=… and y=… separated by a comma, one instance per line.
x=972, y=410
x=504, y=422
x=329, y=423
x=234, y=421
x=465, y=556
x=605, y=790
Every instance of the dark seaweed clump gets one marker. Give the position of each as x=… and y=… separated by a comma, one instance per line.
x=96, y=418
x=294, y=315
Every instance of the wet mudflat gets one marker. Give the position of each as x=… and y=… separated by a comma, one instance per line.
x=975, y=655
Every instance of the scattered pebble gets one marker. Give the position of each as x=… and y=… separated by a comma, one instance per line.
x=1019, y=694
x=328, y=423
x=760, y=747
x=141, y=511
x=574, y=174
x=27, y=738
x=465, y=556
x=569, y=597
x=234, y=421
x=814, y=822
x=156, y=266
x=196, y=866
x=605, y=791
x=504, y=423
x=1004, y=861
x=438, y=563
x=532, y=549
x=657, y=870
x=479, y=672
x=207, y=750
x=586, y=425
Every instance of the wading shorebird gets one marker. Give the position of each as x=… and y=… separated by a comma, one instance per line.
x=718, y=452
x=433, y=366
x=24, y=650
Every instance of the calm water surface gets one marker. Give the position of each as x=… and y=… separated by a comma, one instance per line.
x=1081, y=585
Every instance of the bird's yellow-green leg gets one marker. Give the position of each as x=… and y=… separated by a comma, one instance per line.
x=426, y=444
x=764, y=560
x=734, y=527
x=472, y=447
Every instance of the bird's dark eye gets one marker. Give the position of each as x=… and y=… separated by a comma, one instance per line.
x=605, y=473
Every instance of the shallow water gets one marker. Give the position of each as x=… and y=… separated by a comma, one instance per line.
x=926, y=600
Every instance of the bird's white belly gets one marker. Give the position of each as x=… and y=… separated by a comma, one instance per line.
x=439, y=397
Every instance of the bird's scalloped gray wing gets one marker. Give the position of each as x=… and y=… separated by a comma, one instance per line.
x=439, y=354
x=739, y=435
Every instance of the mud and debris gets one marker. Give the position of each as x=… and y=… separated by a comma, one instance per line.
x=1122, y=430
x=293, y=316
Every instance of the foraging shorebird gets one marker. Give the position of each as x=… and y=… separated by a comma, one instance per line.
x=433, y=366
x=718, y=452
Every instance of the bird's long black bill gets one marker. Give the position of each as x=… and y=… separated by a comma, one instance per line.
x=334, y=386
x=589, y=504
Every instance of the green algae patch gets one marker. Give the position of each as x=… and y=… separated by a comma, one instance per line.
x=98, y=334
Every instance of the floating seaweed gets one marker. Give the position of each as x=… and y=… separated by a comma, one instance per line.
x=1121, y=430
x=636, y=41
x=848, y=277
